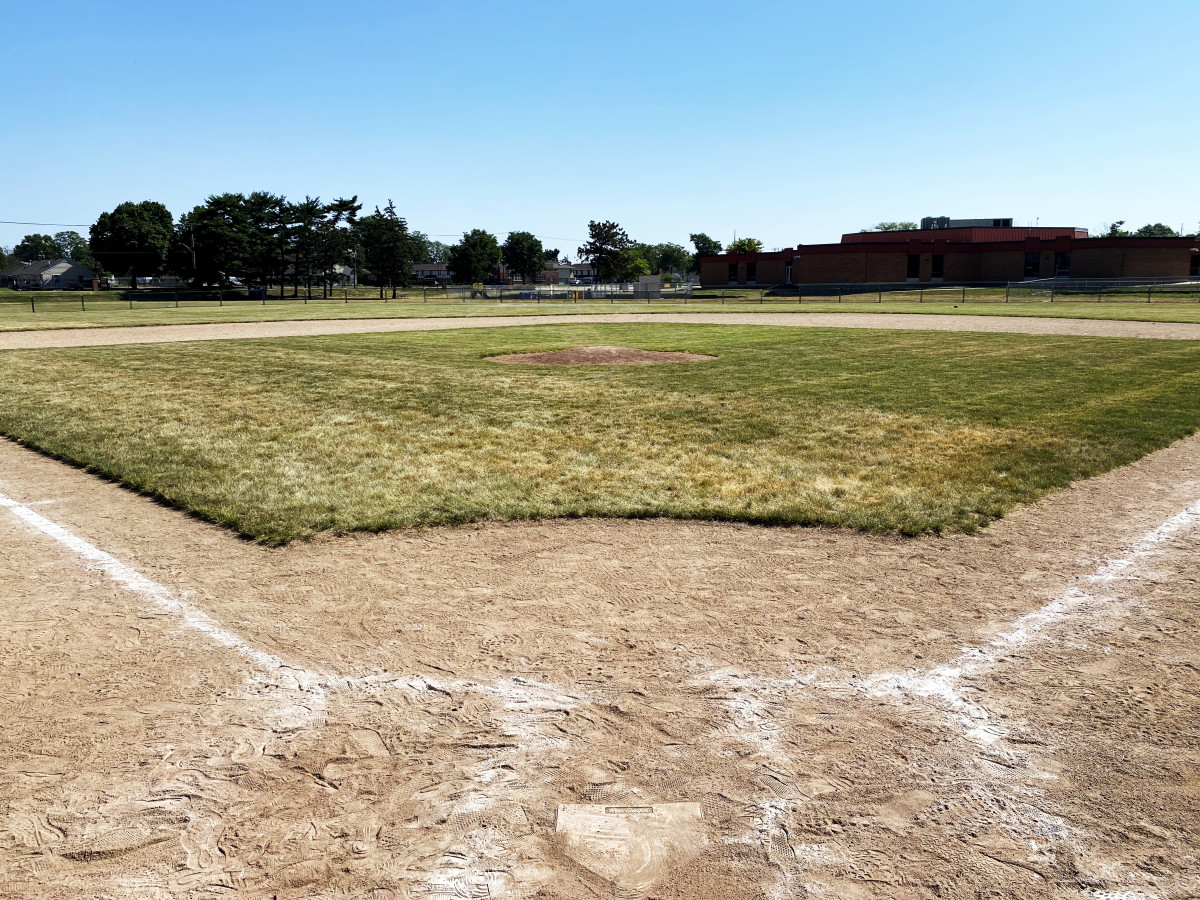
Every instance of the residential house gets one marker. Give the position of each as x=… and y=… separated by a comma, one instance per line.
x=47, y=275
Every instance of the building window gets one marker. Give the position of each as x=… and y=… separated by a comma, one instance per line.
x=733, y=273
x=914, y=265
x=1194, y=267
x=939, y=265
x=1062, y=264
x=751, y=272
x=1033, y=265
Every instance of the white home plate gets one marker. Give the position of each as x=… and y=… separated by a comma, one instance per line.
x=631, y=846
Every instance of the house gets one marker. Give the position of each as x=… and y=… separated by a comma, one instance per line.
x=47, y=275
x=575, y=273
x=432, y=271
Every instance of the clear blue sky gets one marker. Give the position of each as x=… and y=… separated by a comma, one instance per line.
x=787, y=121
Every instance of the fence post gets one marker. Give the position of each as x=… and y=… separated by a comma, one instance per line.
x=32, y=303
x=1051, y=294
x=129, y=297
x=964, y=299
x=1006, y=293
x=1148, y=287
x=81, y=302
x=921, y=299
x=880, y=300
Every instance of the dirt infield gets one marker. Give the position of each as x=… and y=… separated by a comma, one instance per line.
x=600, y=356
x=157, y=334
x=568, y=709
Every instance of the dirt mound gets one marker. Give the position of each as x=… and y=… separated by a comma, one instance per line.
x=601, y=356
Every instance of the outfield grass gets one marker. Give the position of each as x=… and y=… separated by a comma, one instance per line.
x=908, y=431
x=64, y=311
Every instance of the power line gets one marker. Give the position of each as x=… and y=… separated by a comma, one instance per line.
x=48, y=224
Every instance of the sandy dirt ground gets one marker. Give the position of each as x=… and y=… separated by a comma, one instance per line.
x=572, y=709
x=600, y=356
x=158, y=334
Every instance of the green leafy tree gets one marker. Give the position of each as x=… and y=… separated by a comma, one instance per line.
x=133, y=239
x=633, y=264
x=892, y=226
x=605, y=249
x=37, y=246
x=705, y=246
x=387, y=248
x=1117, y=229
x=1158, y=229
x=427, y=250
x=550, y=256
x=74, y=246
x=745, y=245
x=672, y=258
x=524, y=254
x=473, y=258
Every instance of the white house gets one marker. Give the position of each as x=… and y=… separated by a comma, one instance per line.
x=47, y=275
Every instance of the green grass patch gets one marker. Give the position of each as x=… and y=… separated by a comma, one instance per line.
x=906, y=431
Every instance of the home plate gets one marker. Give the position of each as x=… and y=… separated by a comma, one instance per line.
x=631, y=846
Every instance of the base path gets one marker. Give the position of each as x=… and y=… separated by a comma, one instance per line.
x=159, y=334
x=583, y=708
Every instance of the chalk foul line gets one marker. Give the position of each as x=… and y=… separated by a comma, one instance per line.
x=517, y=694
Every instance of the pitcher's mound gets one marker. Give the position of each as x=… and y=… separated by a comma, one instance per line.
x=600, y=356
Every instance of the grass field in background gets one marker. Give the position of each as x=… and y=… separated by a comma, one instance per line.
x=63, y=310
x=907, y=431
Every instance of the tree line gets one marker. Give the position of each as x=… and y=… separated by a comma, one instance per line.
x=310, y=244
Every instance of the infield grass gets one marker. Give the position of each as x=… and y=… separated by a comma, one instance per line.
x=907, y=431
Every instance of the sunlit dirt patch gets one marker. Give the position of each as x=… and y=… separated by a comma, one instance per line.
x=601, y=356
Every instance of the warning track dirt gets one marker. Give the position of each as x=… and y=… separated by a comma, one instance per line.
x=157, y=334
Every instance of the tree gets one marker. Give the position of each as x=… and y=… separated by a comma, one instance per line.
x=134, y=238
x=426, y=250
x=473, y=258
x=1158, y=229
x=267, y=237
x=891, y=226
x=551, y=256
x=335, y=238
x=386, y=246
x=1116, y=229
x=305, y=218
x=605, y=248
x=37, y=246
x=74, y=246
x=705, y=246
x=524, y=254
x=633, y=264
x=745, y=245
x=672, y=258
x=219, y=231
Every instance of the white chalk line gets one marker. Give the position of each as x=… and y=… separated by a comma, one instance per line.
x=941, y=684
x=300, y=696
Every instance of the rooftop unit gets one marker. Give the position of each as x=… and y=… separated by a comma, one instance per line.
x=930, y=223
